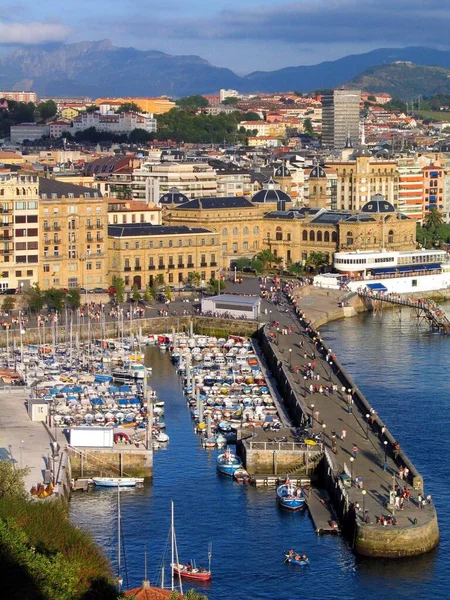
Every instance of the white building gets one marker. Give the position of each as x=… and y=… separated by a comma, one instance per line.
x=57, y=128
x=228, y=94
x=28, y=131
x=115, y=123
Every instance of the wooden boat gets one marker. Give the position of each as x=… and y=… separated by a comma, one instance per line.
x=228, y=463
x=296, y=559
x=241, y=476
x=190, y=572
x=117, y=481
x=290, y=496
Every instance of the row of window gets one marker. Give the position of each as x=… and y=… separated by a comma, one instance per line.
x=71, y=210
x=235, y=231
x=318, y=236
x=143, y=218
x=55, y=267
x=182, y=261
x=170, y=244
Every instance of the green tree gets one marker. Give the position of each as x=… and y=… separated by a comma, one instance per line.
x=148, y=296
x=168, y=292
x=11, y=481
x=73, y=298
x=257, y=264
x=395, y=104
x=135, y=293
x=159, y=279
x=371, y=98
x=34, y=298
x=92, y=108
x=296, y=269
x=308, y=128
x=194, y=278
x=267, y=257
x=252, y=116
x=230, y=100
x=119, y=285
x=54, y=298
x=138, y=136
x=317, y=260
x=8, y=304
x=433, y=219
x=192, y=102
x=47, y=109
x=128, y=107
x=242, y=262
x=215, y=286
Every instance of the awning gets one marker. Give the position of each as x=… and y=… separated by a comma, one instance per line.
x=376, y=287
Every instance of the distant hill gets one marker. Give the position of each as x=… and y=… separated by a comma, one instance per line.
x=102, y=69
x=403, y=80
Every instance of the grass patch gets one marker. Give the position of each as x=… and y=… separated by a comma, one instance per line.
x=436, y=115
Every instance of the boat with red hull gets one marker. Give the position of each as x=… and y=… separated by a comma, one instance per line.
x=193, y=573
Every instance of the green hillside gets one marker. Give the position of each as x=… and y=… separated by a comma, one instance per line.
x=403, y=80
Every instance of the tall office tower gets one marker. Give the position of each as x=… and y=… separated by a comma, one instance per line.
x=340, y=118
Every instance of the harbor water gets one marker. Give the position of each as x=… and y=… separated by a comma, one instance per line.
x=402, y=368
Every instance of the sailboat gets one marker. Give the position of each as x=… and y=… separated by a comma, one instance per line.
x=191, y=571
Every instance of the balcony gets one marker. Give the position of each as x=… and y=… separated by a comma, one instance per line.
x=99, y=239
x=213, y=264
x=151, y=267
x=6, y=237
x=100, y=226
x=56, y=240
x=47, y=228
x=203, y=264
x=190, y=265
x=136, y=268
x=127, y=269
x=171, y=266
x=161, y=266
x=56, y=227
x=89, y=226
x=180, y=265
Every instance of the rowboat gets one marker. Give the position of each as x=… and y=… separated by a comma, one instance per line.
x=296, y=559
x=117, y=481
x=290, y=496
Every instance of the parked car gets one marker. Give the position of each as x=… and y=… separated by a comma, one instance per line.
x=97, y=291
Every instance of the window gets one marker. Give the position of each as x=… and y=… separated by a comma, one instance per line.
x=33, y=232
x=29, y=272
x=21, y=245
x=150, y=244
x=224, y=231
x=278, y=234
x=235, y=231
x=245, y=246
x=89, y=266
x=170, y=243
x=245, y=231
x=334, y=237
x=46, y=268
x=319, y=236
x=18, y=273
x=161, y=243
x=349, y=238
x=22, y=219
x=311, y=236
x=390, y=237
x=98, y=265
x=180, y=243
x=305, y=235
x=138, y=245
x=327, y=236
x=235, y=247
x=256, y=230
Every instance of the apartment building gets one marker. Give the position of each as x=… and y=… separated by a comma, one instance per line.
x=19, y=230
x=121, y=212
x=340, y=117
x=17, y=96
x=433, y=189
x=143, y=254
x=410, y=188
x=115, y=123
x=194, y=180
x=73, y=245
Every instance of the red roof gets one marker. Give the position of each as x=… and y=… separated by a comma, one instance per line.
x=147, y=592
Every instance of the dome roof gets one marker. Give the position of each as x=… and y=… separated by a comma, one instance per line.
x=317, y=172
x=378, y=204
x=271, y=192
x=282, y=171
x=173, y=196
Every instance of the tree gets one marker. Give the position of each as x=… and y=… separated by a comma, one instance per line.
x=47, y=109
x=215, y=286
x=317, y=260
x=8, y=304
x=11, y=481
x=252, y=116
x=192, y=102
x=194, y=278
x=140, y=135
x=159, y=279
x=242, y=262
x=128, y=107
x=136, y=295
x=257, y=264
x=119, y=285
x=308, y=128
x=433, y=219
x=92, y=108
x=296, y=269
x=395, y=104
x=54, y=299
x=266, y=256
x=230, y=100
x=168, y=292
x=148, y=296
x=371, y=98
x=34, y=298
x=73, y=298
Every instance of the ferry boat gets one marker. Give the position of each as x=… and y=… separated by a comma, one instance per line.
x=399, y=272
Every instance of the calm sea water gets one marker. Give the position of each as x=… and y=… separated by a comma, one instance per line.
x=403, y=370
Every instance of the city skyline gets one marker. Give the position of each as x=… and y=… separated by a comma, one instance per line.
x=266, y=34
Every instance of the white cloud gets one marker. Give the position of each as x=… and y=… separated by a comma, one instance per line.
x=32, y=33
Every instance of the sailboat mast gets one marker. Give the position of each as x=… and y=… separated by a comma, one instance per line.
x=118, y=536
x=173, y=546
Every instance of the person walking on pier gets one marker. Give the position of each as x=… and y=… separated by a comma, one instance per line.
x=355, y=451
x=343, y=434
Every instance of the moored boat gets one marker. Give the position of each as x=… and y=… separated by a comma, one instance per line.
x=117, y=481
x=290, y=496
x=190, y=572
x=228, y=463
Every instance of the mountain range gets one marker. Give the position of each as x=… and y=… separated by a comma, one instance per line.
x=102, y=69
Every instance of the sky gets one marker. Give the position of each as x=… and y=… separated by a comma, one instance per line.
x=244, y=35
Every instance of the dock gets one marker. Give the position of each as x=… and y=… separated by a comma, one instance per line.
x=276, y=480
x=321, y=511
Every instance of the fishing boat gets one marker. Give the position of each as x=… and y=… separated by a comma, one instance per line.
x=241, y=476
x=117, y=481
x=296, y=558
x=290, y=496
x=191, y=572
x=228, y=463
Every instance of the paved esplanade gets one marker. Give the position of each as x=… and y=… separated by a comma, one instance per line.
x=332, y=411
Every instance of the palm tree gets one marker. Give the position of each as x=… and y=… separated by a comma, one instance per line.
x=317, y=260
x=433, y=219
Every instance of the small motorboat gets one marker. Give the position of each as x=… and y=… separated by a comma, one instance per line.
x=241, y=476
x=296, y=558
x=290, y=496
x=228, y=463
x=190, y=572
x=117, y=481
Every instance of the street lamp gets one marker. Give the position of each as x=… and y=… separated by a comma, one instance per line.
x=324, y=426
x=351, y=469
x=385, y=455
x=367, y=426
x=364, y=492
x=312, y=415
x=290, y=358
x=20, y=453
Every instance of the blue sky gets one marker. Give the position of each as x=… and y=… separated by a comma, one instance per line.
x=243, y=35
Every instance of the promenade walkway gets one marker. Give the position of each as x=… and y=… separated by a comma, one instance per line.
x=330, y=411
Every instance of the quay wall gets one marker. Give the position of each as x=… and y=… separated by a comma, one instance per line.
x=156, y=325
x=101, y=462
x=269, y=458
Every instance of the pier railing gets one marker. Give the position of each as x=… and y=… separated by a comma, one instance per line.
x=286, y=446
